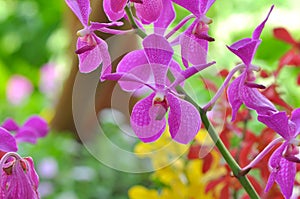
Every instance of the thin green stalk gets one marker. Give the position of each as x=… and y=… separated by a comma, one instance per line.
x=222, y=148
x=141, y=33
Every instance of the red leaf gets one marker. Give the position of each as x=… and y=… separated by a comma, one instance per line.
x=284, y=35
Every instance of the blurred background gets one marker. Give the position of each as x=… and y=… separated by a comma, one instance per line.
x=37, y=69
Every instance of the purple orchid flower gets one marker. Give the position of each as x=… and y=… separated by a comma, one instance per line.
x=243, y=89
x=18, y=178
x=34, y=127
x=147, y=118
x=91, y=50
x=8, y=142
x=283, y=161
x=194, y=41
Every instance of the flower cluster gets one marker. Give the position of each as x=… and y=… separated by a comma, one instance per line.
x=154, y=68
x=18, y=178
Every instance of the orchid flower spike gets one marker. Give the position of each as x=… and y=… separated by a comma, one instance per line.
x=148, y=115
x=91, y=50
x=243, y=89
x=283, y=161
x=18, y=178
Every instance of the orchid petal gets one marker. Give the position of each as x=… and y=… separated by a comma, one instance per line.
x=111, y=15
x=134, y=63
x=39, y=124
x=184, y=120
x=234, y=98
x=117, y=5
x=192, y=5
x=10, y=125
x=31, y=172
x=159, y=54
x=165, y=19
x=106, y=65
x=193, y=49
x=278, y=122
x=27, y=134
x=81, y=9
x=205, y=5
x=149, y=11
x=143, y=120
x=245, y=49
x=8, y=142
x=283, y=171
x=257, y=32
x=253, y=99
x=190, y=72
x=89, y=60
x=296, y=119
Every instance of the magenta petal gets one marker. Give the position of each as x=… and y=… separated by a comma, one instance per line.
x=38, y=124
x=8, y=142
x=27, y=134
x=143, y=120
x=134, y=63
x=106, y=64
x=245, y=49
x=184, y=120
x=283, y=171
x=205, y=5
x=34, y=178
x=89, y=60
x=149, y=11
x=165, y=19
x=10, y=125
x=278, y=122
x=19, y=184
x=233, y=93
x=159, y=54
x=191, y=5
x=253, y=99
x=296, y=119
x=81, y=9
x=112, y=16
x=257, y=32
x=193, y=49
x=117, y=5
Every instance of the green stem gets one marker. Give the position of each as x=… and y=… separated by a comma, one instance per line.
x=222, y=148
x=141, y=33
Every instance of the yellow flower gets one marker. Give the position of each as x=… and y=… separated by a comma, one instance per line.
x=182, y=178
x=162, y=152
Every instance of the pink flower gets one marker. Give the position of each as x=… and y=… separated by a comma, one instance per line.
x=18, y=89
x=243, y=89
x=34, y=127
x=91, y=50
x=18, y=178
x=282, y=163
x=148, y=115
